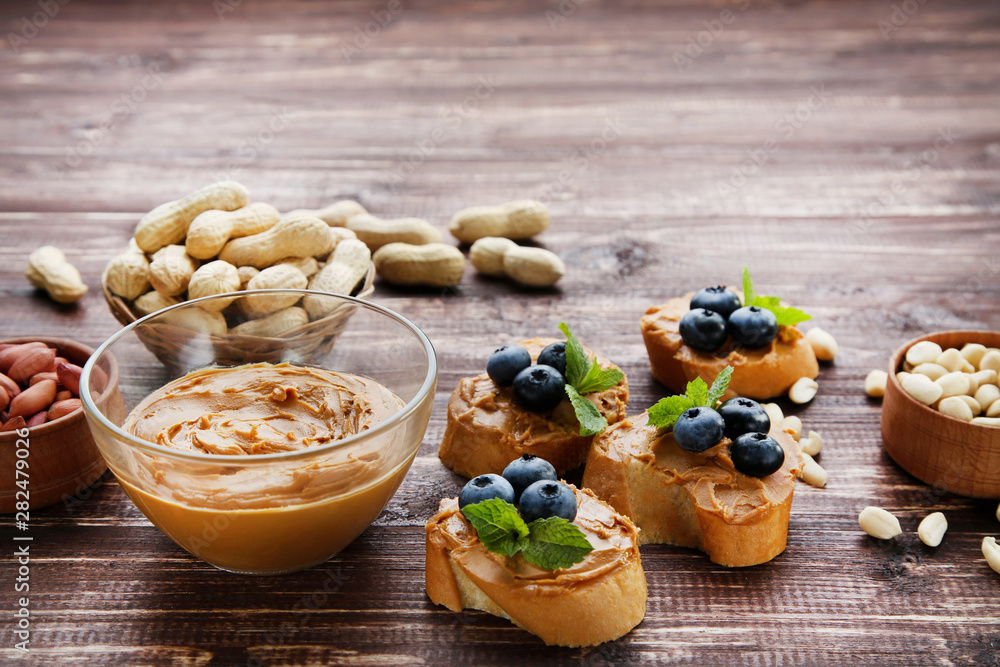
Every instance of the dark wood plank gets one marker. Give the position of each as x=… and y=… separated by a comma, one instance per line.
x=856, y=216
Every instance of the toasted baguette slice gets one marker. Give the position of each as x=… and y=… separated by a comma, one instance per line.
x=486, y=430
x=759, y=373
x=693, y=500
x=597, y=600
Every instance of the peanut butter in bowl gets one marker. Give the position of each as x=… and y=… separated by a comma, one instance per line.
x=273, y=517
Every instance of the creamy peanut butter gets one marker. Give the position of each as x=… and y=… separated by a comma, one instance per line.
x=265, y=516
x=486, y=429
x=597, y=600
x=758, y=373
x=710, y=476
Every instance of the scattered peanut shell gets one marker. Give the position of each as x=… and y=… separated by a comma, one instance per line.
x=879, y=523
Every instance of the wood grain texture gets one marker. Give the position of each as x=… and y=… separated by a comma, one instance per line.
x=857, y=174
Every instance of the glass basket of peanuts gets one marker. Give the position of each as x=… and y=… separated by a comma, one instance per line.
x=215, y=241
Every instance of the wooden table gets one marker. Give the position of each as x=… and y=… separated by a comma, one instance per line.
x=848, y=153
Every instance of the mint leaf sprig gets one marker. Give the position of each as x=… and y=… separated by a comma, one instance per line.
x=698, y=394
x=585, y=376
x=552, y=543
x=786, y=315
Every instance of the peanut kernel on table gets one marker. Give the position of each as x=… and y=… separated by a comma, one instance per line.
x=803, y=391
x=793, y=426
x=875, y=383
x=811, y=444
x=813, y=473
x=991, y=551
x=879, y=523
x=932, y=529
x=824, y=345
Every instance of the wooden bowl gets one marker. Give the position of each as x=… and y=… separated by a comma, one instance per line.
x=63, y=459
x=947, y=453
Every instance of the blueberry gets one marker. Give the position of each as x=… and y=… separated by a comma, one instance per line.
x=744, y=415
x=697, y=429
x=484, y=487
x=525, y=471
x=554, y=355
x=753, y=326
x=546, y=498
x=506, y=363
x=703, y=329
x=539, y=388
x=756, y=454
x=719, y=300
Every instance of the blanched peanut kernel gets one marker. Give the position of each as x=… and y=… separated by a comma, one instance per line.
x=973, y=353
x=923, y=352
x=985, y=377
x=875, y=383
x=793, y=426
x=987, y=395
x=972, y=403
x=932, y=529
x=823, y=344
x=990, y=361
x=803, y=391
x=993, y=410
x=813, y=473
x=951, y=359
x=774, y=412
x=933, y=371
x=921, y=388
x=812, y=444
x=954, y=406
x=987, y=421
x=953, y=384
x=992, y=553
x=879, y=523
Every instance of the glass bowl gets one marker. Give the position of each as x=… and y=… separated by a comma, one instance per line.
x=272, y=512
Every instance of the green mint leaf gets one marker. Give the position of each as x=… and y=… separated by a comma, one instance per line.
x=667, y=410
x=500, y=528
x=789, y=317
x=719, y=387
x=591, y=421
x=577, y=363
x=555, y=543
x=697, y=391
x=748, y=293
x=786, y=315
x=599, y=379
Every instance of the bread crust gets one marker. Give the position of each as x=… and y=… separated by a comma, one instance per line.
x=757, y=373
x=567, y=608
x=629, y=468
x=486, y=430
